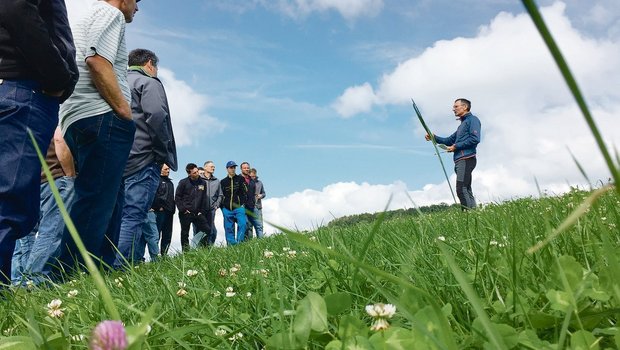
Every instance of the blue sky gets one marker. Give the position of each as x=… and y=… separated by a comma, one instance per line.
x=315, y=94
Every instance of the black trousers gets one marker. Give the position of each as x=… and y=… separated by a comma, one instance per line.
x=164, y=227
x=201, y=221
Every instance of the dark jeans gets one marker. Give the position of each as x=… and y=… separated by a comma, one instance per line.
x=22, y=107
x=100, y=146
x=463, y=169
x=202, y=224
x=164, y=227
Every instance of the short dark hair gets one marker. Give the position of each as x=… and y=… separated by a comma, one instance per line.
x=140, y=57
x=189, y=167
x=253, y=170
x=245, y=163
x=464, y=101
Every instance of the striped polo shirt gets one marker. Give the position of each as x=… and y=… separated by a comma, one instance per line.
x=101, y=32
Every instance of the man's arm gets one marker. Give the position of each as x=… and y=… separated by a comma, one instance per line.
x=63, y=153
x=156, y=112
x=105, y=81
x=220, y=196
x=473, y=134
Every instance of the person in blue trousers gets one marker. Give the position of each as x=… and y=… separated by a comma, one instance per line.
x=235, y=193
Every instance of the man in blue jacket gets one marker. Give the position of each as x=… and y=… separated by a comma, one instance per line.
x=463, y=144
x=37, y=72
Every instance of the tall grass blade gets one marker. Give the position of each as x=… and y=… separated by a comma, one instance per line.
x=437, y=152
x=540, y=24
x=90, y=264
x=581, y=169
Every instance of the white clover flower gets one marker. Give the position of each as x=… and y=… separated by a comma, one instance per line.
x=191, y=273
x=9, y=331
x=72, y=293
x=248, y=295
x=220, y=332
x=285, y=249
x=292, y=253
x=233, y=270
x=381, y=310
x=268, y=254
x=441, y=238
x=330, y=247
x=119, y=282
x=72, y=282
x=493, y=242
x=236, y=337
x=223, y=272
x=148, y=329
x=313, y=238
x=182, y=284
x=230, y=292
x=181, y=292
x=216, y=294
x=30, y=284
x=54, y=309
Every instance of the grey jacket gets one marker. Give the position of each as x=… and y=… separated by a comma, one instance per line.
x=154, y=139
x=259, y=190
x=213, y=192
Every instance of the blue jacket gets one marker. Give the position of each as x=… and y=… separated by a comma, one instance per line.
x=465, y=139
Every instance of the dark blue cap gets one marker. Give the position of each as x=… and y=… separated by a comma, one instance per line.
x=231, y=164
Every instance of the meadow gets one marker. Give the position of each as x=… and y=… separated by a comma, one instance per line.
x=457, y=281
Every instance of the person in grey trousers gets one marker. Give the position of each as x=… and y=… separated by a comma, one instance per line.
x=214, y=196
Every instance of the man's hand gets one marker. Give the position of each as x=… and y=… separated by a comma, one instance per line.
x=451, y=148
x=427, y=137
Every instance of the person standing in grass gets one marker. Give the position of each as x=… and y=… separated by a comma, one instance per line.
x=463, y=144
x=259, y=194
x=153, y=146
x=235, y=192
x=98, y=127
x=189, y=199
x=214, y=197
x=249, y=202
x=163, y=207
x=37, y=73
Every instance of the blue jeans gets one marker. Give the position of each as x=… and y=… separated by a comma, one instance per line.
x=22, y=107
x=45, y=248
x=150, y=236
x=140, y=189
x=100, y=146
x=164, y=226
x=230, y=217
x=23, y=247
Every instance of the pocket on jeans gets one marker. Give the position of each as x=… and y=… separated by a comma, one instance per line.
x=127, y=125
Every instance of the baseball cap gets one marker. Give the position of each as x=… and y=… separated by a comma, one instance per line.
x=230, y=164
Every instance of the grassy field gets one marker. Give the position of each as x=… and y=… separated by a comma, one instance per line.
x=457, y=280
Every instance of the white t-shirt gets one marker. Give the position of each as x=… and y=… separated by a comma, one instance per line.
x=101, y=32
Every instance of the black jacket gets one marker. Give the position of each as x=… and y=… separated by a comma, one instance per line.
x=190, y=195
x=36, y=43
x=164, y=198
x=154, y=139
x=235, y=192
x=250, y=201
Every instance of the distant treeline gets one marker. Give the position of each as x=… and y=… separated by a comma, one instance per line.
x=392, y=214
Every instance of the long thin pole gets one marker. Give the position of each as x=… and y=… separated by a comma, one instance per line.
x=428, y=131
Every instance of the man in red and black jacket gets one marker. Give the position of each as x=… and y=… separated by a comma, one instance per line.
x=189, y=199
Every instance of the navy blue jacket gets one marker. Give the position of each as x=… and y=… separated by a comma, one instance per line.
x=465, y=139
x=36, y=44
x=235, y=192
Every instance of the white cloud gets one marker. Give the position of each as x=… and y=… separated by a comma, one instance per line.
x=356, y=99
x=348, y=9
x=188, y=110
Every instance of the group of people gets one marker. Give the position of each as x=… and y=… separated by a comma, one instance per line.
x=106, y=156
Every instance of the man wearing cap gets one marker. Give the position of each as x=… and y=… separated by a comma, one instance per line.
x=463, y=144
x=235, y=195
x=190, y=200
x=98, y=127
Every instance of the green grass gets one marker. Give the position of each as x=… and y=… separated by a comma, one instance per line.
x=477, y=288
